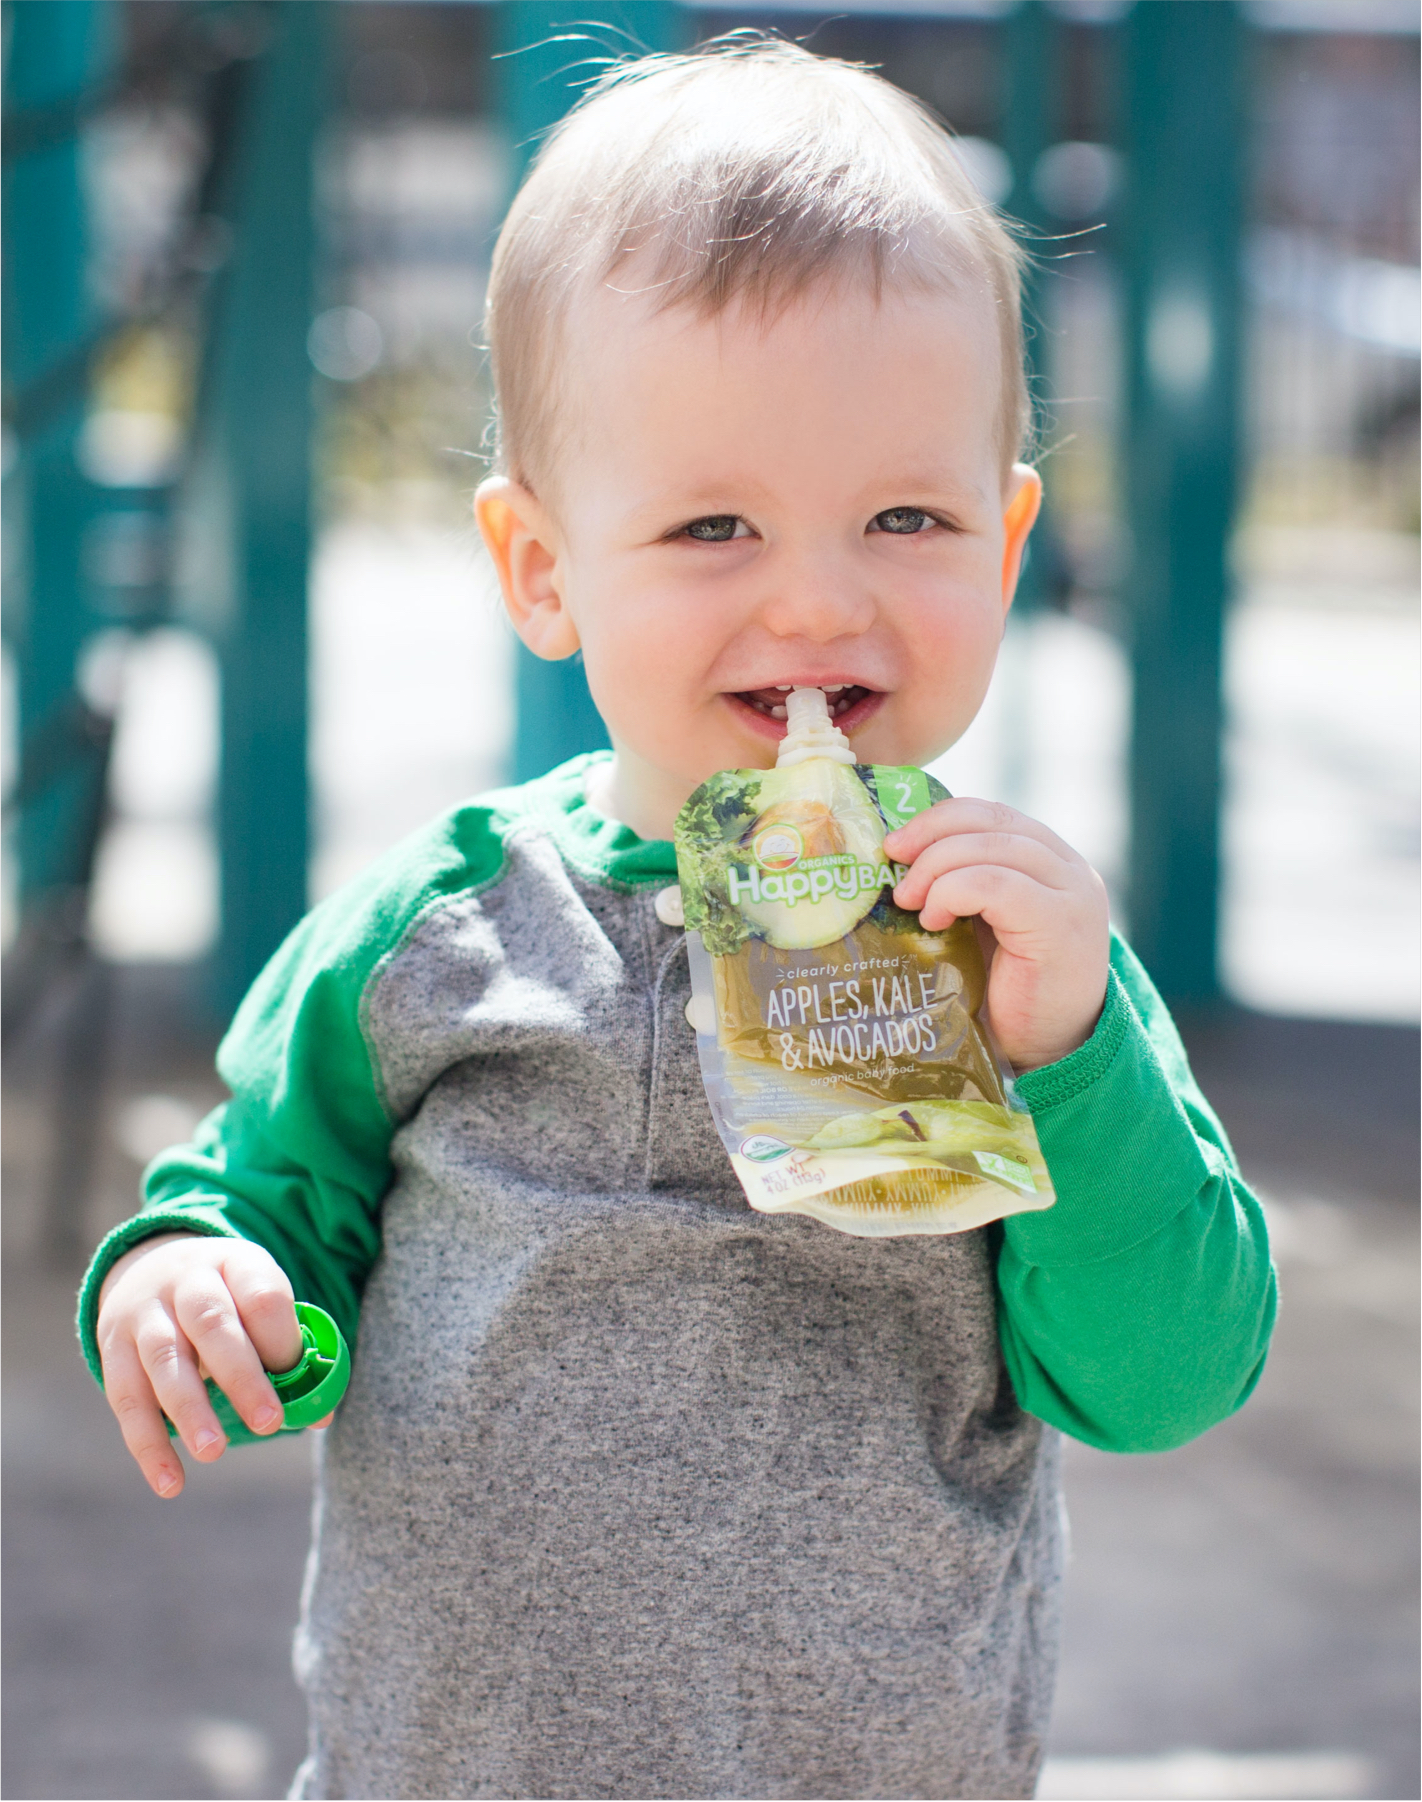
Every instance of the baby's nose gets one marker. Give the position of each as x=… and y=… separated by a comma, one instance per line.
x=817, y=602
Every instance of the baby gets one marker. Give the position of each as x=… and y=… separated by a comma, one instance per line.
x=636, y=1492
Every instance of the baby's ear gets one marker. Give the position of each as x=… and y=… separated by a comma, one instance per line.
x=522, y=541
x=1022, y=502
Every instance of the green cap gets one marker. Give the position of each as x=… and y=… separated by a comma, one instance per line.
x=317, y=1381
x=308, y=1391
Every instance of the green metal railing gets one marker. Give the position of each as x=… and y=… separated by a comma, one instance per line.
x=54, y=55
x=244, y=502
x=1185, y=69
x=249, y=520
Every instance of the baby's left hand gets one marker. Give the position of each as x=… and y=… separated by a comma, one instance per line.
x=1045, y=904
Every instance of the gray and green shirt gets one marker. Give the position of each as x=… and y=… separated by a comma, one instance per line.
x=636, y=1492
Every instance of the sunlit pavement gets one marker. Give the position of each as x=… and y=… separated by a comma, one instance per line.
x=1254, y=1593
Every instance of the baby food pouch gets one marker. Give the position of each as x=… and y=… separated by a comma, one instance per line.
x=847, y=1061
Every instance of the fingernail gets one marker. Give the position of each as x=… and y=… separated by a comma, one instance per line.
x=167, y=1483
x=266, y=1417
x=206, y=1439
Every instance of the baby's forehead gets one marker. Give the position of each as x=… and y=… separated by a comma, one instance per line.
x=624, y=314
x=903, y=378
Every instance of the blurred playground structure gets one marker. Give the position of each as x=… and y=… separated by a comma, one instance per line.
x=246, y=247
x=251, y=640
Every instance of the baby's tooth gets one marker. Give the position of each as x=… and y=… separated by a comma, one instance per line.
x=777, y=713
x=833, y=688
x=782, y=688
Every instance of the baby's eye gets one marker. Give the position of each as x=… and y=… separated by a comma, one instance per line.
x=903, y=520
x=717, y=528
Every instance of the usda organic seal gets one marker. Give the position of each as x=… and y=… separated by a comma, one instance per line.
x=760, y=1148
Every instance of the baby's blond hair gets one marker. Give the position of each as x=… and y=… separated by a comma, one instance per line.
x=746, y=171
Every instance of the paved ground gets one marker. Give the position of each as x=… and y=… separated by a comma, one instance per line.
x=1240, y=1614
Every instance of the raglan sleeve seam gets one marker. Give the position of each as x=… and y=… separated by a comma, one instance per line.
x=200, y=1202
x=435, y=904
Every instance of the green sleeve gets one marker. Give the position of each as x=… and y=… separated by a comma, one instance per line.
x=299, y=1159
x=1136, y=1312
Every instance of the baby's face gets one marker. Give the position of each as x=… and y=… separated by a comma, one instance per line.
x=742, y=507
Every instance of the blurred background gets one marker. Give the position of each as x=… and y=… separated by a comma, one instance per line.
x=251, y=640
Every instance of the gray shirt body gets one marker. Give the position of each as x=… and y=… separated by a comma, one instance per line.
x=636, y=1492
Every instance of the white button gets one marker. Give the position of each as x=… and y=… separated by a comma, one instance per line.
x=701, y=1013
x=668, y=905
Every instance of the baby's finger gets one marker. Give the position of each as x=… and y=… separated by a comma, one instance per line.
x=208, y=1315
x=1010, y=902
x=1007, y=850
x=967, y=814
x=172, y=1373
x=265, y=1305
x=130, y=1395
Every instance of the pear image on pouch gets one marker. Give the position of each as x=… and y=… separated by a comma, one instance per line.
x=816, y=849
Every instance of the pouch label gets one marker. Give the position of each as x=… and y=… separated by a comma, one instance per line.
x=847, y=1060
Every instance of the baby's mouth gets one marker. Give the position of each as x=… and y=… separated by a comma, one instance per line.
x=841, y=697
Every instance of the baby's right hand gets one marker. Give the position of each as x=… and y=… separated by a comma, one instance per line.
x=179, y=1308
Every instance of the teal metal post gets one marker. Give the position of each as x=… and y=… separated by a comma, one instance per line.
x=55, y=52
x=549, y=51
x=253, y=499
x=1185, y=65
x=1030, y=112
x=1031, y=108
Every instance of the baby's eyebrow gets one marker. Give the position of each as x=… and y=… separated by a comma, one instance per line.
x=678, y=505
x=911, y=487
x=717, y=494
x=921, y=484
